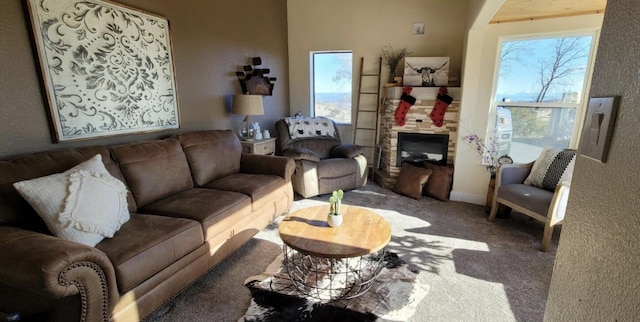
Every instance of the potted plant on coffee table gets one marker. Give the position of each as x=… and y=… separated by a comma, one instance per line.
x=334, y=219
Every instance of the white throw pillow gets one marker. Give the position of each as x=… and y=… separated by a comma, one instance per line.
x=84, y=204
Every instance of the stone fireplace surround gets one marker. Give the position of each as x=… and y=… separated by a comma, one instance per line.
x=417, y=121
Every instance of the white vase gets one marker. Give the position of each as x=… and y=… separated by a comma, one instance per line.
x=334, y=220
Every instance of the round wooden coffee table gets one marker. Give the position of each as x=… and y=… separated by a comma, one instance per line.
x=334, y=263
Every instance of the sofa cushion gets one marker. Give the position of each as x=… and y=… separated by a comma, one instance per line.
x=411, y=180
x=211, y=154
x=321, y=145
x=552, y=167
x=14, y=210
x=83, y=204
x=147, y=244
x=261, y=188
x=529, y=197
x=153, y=169
x=335, y=168
x=96, y=203
x=347, y=151
x=216, y=210
x=300, y=154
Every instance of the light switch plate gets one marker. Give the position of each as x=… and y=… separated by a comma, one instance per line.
x=598, y=127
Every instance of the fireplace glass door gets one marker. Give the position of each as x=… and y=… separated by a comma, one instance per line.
x=420, y=147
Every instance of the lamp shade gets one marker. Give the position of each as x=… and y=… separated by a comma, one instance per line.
x=247, y=105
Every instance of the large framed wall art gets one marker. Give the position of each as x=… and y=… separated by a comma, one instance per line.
x=107, y=69
x=426, y=71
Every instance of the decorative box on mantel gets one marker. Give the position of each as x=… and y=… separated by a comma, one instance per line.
x=417, y=121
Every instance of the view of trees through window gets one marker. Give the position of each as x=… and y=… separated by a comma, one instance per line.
x=331, y=86
x=540, y=89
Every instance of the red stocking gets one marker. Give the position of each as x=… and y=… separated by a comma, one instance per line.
x=406, y=101
x=442, y=102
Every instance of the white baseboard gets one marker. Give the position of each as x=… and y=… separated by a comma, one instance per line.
x=468, y=198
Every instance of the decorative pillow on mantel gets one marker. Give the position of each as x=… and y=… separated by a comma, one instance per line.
x=84, y=204
x=552, y=167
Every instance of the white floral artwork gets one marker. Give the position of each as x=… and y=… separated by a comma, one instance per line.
x=107, y=69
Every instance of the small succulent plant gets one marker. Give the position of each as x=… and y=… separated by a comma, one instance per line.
x=335, y=201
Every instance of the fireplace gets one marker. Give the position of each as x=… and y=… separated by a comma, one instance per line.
x=440, y=145
x=420, y=147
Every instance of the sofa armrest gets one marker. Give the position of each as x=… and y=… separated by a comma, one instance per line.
x=348, y=151
x=58, y=268
x=301, y=154
x=267, y=164
x=513, y=173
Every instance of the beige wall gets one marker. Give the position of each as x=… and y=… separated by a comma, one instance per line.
x=481, y=11
x=364, y=26
x=211, y=40
x=596, y=274
x=470, y=178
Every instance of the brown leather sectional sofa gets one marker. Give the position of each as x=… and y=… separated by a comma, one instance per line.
x=194, y=199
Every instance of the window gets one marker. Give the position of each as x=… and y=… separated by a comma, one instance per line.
x=540, y=92
x=331, y=85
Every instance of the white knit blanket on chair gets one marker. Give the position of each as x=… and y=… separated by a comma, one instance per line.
x=303, y=127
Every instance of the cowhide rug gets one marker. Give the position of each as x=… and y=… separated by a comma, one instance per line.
x=393, y=297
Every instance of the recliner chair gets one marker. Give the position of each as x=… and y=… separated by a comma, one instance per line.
x=323, y=163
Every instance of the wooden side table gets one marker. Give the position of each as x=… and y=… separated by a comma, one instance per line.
x=266, y=146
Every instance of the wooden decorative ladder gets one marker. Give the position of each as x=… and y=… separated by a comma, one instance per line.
x=365, y=130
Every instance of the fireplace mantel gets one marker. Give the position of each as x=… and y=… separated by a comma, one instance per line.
x=422, y=93
x=417, y=121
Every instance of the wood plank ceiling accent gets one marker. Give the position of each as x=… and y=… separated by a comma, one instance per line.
x=523, y=10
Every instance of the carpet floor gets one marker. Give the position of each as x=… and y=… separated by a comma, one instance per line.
x=474, y=270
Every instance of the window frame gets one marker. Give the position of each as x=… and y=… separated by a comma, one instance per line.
x=312, y=82
x=580, y=107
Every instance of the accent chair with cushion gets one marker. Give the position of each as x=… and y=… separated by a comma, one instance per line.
x=323, y=163
x=539, y=189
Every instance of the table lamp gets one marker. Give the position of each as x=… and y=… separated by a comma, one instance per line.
x=247, y=105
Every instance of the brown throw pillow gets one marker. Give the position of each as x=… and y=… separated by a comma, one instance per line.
x=411, y=181
x=439, y=184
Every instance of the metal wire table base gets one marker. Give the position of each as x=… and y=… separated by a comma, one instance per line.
x=329, y=279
